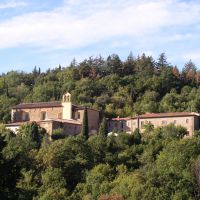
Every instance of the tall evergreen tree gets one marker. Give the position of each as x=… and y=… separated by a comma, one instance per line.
x=85, y=127
x=103, y=130
x=162, y=61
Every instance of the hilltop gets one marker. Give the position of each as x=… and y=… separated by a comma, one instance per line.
x=118, y=88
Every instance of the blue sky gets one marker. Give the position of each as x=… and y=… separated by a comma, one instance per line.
x=56, y=31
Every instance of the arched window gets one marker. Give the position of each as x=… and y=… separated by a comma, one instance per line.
x=67, y=97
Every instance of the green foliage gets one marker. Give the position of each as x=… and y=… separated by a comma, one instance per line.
x=137, y=85
x=85, y=127
x=103, y=130
x=32, y=132
x=53, y=185
x=137, y=136
x=58, y=134
x=158, y=164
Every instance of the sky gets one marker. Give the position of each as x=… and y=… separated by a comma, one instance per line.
x=52, y=32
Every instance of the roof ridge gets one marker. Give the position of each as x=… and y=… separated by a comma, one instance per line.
x=41, y=102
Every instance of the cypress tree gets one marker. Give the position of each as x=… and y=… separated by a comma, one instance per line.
x=137, y=136
x=85, y=128
x=103, y=130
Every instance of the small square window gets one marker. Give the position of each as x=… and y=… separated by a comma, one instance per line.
x=187, y=121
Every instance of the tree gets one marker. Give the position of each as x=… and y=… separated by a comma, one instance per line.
x=176, y=72
x=32, y=132
x=162, y=61
x=137, y=136
x=103, y=130
x=53, y=185
x=85, y=127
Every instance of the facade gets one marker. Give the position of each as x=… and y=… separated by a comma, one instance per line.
x=189, y=120
x=54, y=115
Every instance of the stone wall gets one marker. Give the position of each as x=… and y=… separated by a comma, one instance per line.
x=191, y=123
x=36, y=114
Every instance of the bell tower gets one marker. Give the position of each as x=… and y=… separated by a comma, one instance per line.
x=67, y=106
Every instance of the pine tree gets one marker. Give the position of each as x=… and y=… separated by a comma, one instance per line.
x=103, y=130
x=39, y=71
x=85, y=128
x=162, y=61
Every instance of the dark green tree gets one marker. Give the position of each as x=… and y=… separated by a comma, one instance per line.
x=162, y=61
x=103, y=130
x=137, y=136
x=85, y=127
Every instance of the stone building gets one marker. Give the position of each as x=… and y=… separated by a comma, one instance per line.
x=54, y=115
x=189, y=120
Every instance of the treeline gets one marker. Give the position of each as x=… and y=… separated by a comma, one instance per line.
x=118, y=88
x=158, y=164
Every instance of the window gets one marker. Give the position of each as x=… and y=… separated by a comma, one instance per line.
x=188, y=133
x=43, y=115
x=25, y=116
x=142, y=124
x=164, y=122
x=174, y=122
x=122, y=125
x=187, y=121
x=79, y=115
x=59, y=115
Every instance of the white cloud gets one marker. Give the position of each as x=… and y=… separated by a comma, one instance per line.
x=193, y=55
x=82, y=23
x=12, y=4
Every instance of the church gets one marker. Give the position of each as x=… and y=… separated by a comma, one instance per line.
x=54, y=115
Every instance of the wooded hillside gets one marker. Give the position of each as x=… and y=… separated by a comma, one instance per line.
x=118, y=88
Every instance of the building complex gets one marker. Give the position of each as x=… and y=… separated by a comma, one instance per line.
x=54, y=115
x=63, y=114
x=189, y=120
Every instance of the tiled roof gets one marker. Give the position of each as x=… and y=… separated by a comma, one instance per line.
x=46, y=105
x=38, y=105
x=121, y=119
x=169, y=114
x=158, y=115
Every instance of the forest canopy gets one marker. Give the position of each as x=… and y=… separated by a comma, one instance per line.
x=117, y=88
x=157, y=164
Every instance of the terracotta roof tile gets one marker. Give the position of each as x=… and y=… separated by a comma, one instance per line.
x=46, y=105
x=170, y=114
x=38, y=105
x=158, y=115
x=121, y=119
